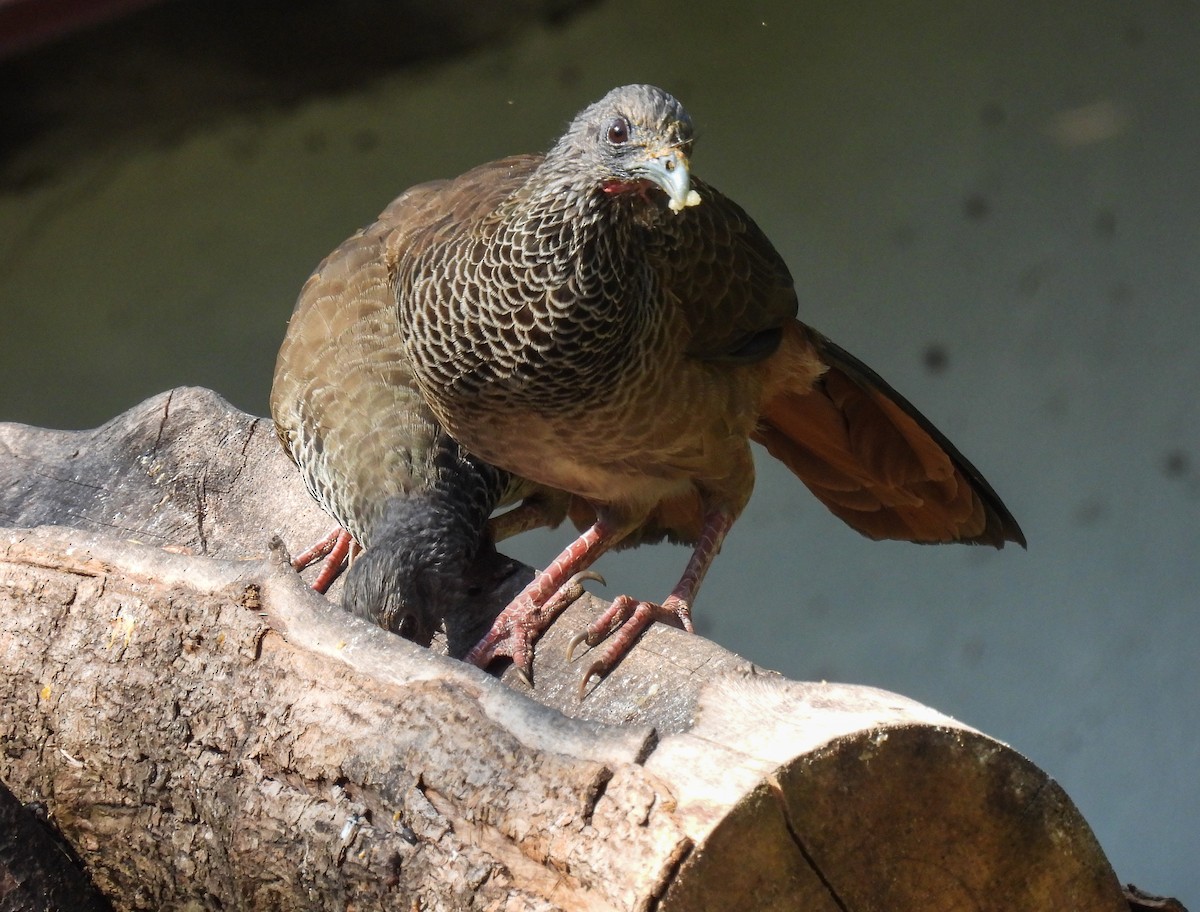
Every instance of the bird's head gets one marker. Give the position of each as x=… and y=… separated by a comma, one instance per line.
x=635, y=139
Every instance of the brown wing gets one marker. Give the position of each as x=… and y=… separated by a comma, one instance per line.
x=427, y=211
x=867, y=454
x=344, y=400
x=735, y=289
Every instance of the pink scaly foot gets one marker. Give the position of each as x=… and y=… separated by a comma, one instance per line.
x=625, y=619
x=549, y=594
x=335, y=548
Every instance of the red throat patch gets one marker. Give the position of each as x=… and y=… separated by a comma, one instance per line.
x=642, y=187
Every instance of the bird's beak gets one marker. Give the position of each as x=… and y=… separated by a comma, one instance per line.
x=669, y=170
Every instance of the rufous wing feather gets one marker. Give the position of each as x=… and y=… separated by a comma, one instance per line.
x=875, y=461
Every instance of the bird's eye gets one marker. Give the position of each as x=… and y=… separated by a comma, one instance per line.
x=618, y=131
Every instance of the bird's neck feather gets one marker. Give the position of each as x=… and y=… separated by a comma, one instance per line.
x=584, y=219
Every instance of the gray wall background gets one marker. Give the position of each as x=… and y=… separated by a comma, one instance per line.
x=996, y=205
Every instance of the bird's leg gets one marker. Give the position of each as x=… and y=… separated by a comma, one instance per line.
x=334, y=547
x=625, y=619
x=545, y=598
x=532, y=513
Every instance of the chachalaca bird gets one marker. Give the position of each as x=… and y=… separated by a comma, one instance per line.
x=595, y=331
x=371, y=453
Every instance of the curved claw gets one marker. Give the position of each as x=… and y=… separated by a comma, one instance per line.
x=578, y=578
x=571, y=591
x=575, y=641
x=595, y=670
x=524, y=674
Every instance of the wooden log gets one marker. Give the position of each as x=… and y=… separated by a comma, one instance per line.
x=208, y=733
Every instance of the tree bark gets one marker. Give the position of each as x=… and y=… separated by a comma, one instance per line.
x=208, y=733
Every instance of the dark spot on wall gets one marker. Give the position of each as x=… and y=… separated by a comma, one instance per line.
x=973, y=651
x=976, y=207
x=569, y=75
x=992, y=114
x=1176, y=464
x=1120, y=294
x=1030, y=281
x=1090, y=512
x=936, y=359
x=1133, y=35
x=242, y=148
x=903, y=236
x=28, y=177
x=1055, y=406
x=365, y=140
x=1105, y=224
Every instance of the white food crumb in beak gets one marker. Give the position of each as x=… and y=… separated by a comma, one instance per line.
x=692, y=199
